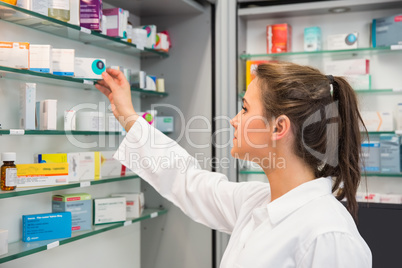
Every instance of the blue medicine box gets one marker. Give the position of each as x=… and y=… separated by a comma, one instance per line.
x=39, y=227
x=387, y=31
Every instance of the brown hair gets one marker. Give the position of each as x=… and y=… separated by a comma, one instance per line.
x=325, y=124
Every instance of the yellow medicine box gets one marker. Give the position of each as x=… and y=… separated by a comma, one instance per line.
x=29, y=175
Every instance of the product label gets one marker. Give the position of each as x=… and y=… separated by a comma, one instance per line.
x=59, y=4
x=40, y=6
x=11, y=177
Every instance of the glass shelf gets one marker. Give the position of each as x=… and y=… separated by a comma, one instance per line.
x=18, y=132
x=66, y=81
x=37, y=190
x=46, y=24
x=21, y=249
x=303, y=54
x=244, y=171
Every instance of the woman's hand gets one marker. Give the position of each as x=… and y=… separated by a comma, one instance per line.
x=117, y=89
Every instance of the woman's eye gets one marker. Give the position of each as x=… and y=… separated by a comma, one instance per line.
x=244, y=108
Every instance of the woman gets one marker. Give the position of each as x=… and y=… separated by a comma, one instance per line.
x=295, y=114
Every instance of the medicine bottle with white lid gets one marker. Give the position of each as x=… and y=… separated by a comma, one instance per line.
x=8, y=172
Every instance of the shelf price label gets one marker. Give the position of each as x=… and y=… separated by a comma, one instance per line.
x=52, y=245
x=17, y=131
x=85, y=184
x=154, y=215
x=127, y=223
x=88, y=82
x=85, y=30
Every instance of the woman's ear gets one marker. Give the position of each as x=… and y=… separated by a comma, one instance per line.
x=281, y=127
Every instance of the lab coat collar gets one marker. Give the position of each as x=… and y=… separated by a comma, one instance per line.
x=283, y=206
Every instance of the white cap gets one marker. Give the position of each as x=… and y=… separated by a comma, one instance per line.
x=8, y=156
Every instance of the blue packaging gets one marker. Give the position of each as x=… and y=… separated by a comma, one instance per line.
x=387, y=31
x=39, y=227
x=370, y=155
x=312, y=39
x=390, y=156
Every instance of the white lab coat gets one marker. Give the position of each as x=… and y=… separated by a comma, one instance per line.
x=307, y=227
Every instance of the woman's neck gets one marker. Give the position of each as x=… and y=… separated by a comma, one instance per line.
x=288, y=176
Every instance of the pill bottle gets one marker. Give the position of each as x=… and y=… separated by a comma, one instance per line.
x=8, y=172
x=59, y=9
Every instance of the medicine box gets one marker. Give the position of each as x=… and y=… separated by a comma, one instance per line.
x=164, y=123
x=387, y=31
x=48, y=115
x=134, y=203
x=111, y=167
x=342, y=41
x=47, y=226
x=378, y=120
x=74, y=12
x=45, y=174
x=151, y=35
x=251, y=67
x=279, y=38
x=27, y=105
x=359, y=81
x=90, y=68
x=40, y=58
x=115, y=22
x=312, y=39
x=138, y=79
x=391, y=198
x=390, y=153
x=80, y=206
x=139, y=37
x=91, y=14
x=162, y=43
x=70, y=158
x=108, y=210
x=69, y=120
x=63, y=61
x=14, y=55
x=347, y=67
x=3, y=242
x=89, y=166
x=370, y=156
x=38, y=6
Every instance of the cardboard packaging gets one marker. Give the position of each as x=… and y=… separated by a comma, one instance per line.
x=63, y=61
x=251, y=66
x=48, y=115
x=14, y=55
x=115, y=22
x=74, y=12
x=90, y=121
x=343, y=41
x=347, y=67
x=164, y=123
x=45, y=174
x=390, y=156
x=71, y=158
x=139, y=37
x=91, y=14
x=138, y=80
x=387, y=31
x=89, y=166
x=47, y=226
x=108, y=210
x=279, y=38
x=151, y=35
x=40, y=58
x=370, y=154
x=80, y=206
x=112, y=124
x=3, y=242
x=69, y=120
x=38, y=6
x=391, y=198
x=359, y=81
x=312, y=39
x=134, y=204
x=162, y=43
x=378, y=121
x=27, y=105
x=89, y=68
x=110, y=167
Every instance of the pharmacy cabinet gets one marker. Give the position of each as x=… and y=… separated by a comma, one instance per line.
x=383, y=95
x=114, y=245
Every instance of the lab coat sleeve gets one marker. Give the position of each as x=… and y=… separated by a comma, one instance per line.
x=206, y=197
x=336, y=250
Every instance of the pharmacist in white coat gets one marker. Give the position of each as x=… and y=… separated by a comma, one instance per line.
x=310, y=123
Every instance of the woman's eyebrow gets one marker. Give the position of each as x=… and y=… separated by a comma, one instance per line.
x=244, y=101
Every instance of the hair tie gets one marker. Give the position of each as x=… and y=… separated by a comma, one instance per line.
x=330, y=78
x=331, y=84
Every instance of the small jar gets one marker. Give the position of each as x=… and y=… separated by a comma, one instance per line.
x=8, y=172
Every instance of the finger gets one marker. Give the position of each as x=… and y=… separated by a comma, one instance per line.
x=109, y=81
x=118, y=75
x=103, y=83
x=106, y=91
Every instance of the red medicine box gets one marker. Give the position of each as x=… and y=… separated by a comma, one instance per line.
x=279, y=38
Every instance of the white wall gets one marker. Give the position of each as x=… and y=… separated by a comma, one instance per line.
x=385, y=68
x=117, y=248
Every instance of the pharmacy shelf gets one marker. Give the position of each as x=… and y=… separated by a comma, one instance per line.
x=304, y=54
x=46, y=24
x=20, y=132
x=21, y=249
x=377, y=205
x=37, y=190
x=65, y=81
x=250, y=172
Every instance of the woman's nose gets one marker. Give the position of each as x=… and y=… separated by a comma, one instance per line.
x=234, y=122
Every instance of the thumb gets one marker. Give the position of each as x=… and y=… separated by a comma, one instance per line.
x=109, y=81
